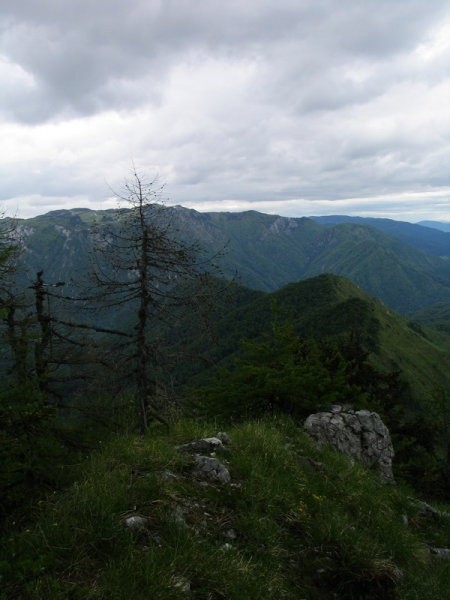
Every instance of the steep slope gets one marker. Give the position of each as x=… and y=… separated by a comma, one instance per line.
x=57, y=242
x=400, y=275
x=271, y=251
x=264, y=251
x=436, y=316
x=339, y=307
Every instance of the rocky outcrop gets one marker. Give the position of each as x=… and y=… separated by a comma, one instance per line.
x=360, y=434
x=211, y=469
x=203, y=446
x=208, y=468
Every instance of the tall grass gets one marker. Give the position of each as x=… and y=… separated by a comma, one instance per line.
x=295, y=523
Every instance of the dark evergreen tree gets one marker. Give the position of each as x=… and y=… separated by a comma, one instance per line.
x=279, y=372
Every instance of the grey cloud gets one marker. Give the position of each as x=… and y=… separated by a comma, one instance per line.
x=85, y=57
x=330, y=108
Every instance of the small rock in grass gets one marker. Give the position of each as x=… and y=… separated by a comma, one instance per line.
x=203, y=446
x=440, y=552
x=226, y=547
x=181, y=583
x=231, y=534
x=136, y=522
x=211, y=469
x=224, y=437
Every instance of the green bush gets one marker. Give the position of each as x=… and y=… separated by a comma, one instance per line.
x=280, y=373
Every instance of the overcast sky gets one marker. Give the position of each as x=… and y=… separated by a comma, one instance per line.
x=295, y=107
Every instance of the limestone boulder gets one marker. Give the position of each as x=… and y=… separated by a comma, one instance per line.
x=359, y=434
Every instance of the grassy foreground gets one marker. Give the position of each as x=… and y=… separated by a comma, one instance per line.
x=294, y=523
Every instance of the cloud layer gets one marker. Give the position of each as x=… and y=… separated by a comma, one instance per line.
x=307, y=107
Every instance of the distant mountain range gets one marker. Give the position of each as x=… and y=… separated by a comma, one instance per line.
x=429, y=236
x=406, y=266
x=443, y=226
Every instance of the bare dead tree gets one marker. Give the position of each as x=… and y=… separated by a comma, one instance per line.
x=141, y=262
x=56, y=334
x=16, y=336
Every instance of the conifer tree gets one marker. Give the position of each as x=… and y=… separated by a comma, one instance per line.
x=141, y=262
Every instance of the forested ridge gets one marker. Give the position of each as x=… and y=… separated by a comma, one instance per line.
x=404, y=265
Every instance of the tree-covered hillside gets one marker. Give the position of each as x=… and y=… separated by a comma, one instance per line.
x=433, y=239
x=324, y=307
x=262, y=251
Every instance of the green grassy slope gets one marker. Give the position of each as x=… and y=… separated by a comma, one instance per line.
x=331, y=305
x=294, y=523
x=436, y=316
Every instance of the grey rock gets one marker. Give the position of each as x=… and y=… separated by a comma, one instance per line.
x=136, y=522
x=203, y=446
x=230, y=534
x=169, y=475
x=440, y=552
x=426, y=510
x=211, y=469
x=224, y=438
x=361, y=435
x=181, y=583
x=178, y=517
